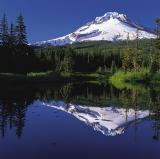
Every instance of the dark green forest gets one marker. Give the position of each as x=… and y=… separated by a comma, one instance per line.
x=101, y=57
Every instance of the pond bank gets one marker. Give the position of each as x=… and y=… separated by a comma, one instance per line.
x=47, y=77
x=135, y=77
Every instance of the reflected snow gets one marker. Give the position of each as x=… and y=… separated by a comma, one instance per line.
x=110, y=121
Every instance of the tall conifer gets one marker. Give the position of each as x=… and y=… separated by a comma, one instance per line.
x=21, y=31
x=4, y=31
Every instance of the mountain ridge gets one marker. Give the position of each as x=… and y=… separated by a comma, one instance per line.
x=110, y=121
x=112, y=26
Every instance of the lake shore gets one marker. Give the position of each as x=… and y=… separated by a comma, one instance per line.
x=47, y=77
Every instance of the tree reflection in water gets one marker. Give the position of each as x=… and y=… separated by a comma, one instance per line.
x=15, y=100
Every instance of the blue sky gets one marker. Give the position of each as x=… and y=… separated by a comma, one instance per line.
x=47, y=19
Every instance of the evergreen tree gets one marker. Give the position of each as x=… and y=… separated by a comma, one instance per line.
x=12, y=35
x=127, y=55
x=58, y=63
x=21, y=31
x=137, y=56
x=67, y=62
x=113, y=67
x=155, y=50
x=153, y=58
x=4, y=31
x=158, y=27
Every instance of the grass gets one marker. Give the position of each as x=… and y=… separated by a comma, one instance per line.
x=121, y=78
x=32, y=77
x=133, y=76
x=80, y=76
x=92, y=77
x=143, y=77
x=49, y=76
x=40, y=74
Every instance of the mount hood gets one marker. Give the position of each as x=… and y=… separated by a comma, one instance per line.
x=112, y=26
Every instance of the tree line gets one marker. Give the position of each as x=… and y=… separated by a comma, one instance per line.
x=13, y=34
x=134, y=59
x=18, y=57
x=15, y=53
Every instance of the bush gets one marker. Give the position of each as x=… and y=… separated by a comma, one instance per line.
x=40, y=74
x=133, y=76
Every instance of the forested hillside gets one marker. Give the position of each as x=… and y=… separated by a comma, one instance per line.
x=16, y=56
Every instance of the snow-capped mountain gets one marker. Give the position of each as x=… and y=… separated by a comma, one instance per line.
x=109, y=121
x=110, y=27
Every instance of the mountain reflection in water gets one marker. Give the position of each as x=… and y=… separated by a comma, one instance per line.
x=110, y=121
x=91, y=103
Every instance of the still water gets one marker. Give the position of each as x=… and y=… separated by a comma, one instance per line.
x=80, y=120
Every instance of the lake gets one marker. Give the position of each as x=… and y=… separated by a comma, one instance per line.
x=79, y=120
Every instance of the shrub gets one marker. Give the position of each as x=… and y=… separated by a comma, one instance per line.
x=132, y=76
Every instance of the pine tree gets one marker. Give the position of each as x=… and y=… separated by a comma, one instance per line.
x=12, y=35
x=155, y=50
x=137, y=56
x=127, y=55
x=21, y=31
x=4, y=31
x=58, y=63
x=67, y=62
x=152, y=57
x=158, y=27
x=113, y=67
x=158, y=43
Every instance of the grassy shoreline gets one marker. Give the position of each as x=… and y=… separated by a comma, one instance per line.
x=47, y=77
x=121, y=78
x=42, y=77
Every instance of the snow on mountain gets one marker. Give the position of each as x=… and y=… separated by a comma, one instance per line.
x=109, y=121
x=110, y=27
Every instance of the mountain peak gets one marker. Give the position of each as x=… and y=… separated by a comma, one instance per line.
x=112, y=26
x=111, y=15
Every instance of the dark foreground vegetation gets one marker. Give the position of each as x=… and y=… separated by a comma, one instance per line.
x=121, y=61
